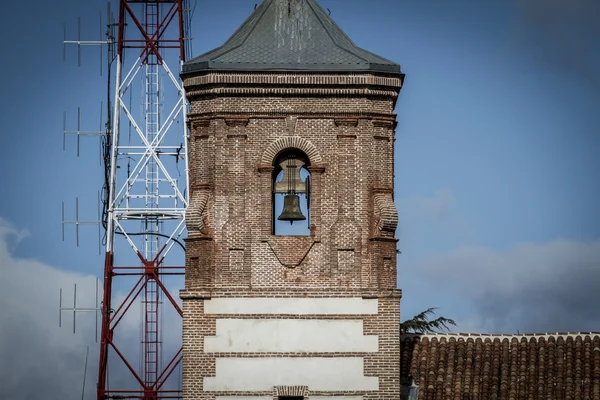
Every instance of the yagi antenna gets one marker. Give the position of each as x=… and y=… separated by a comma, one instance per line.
x=78, y=132
x=110, y=32
x=79, y=223
x=80, y=43
x=76, y=309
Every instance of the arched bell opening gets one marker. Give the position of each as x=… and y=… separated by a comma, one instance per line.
x=291, y=194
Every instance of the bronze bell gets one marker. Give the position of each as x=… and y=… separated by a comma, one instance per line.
x=291, y=209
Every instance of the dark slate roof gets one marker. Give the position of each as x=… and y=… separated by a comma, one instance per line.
x=553, y=366
x=290, y=35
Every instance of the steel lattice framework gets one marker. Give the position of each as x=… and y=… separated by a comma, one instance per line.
x=145, y=191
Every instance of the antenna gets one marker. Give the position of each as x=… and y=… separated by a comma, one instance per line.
x=76, y=309
x=80, y=43
x=78, y=223
x=78, y=132
x=111, y=27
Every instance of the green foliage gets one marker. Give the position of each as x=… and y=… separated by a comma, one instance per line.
x=420, y=323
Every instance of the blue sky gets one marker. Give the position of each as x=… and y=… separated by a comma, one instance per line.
x=496, y=154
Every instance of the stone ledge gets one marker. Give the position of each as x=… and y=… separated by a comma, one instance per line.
x=293, y=78
x=321, y=92
x=279, y=293
x=357, y=114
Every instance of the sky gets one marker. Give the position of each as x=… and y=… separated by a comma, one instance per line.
x=495, y=176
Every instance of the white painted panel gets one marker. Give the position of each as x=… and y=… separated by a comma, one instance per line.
x=244, y=398
x=291, y=306
x=289, y=335
x=335, y=397
x=271, y=398
x=318, y=373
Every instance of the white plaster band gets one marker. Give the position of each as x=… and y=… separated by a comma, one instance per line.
x=289, y=335
x=318, y=373
x=335, y=398
x=271, y=398
x=291, y=306
x=244, y=398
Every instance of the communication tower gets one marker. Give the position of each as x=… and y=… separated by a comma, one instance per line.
x=145, y=192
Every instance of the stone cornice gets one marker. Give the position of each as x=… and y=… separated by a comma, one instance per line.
x=293, y=78
x=290, y=91
x=207, y=116
x=194, y=294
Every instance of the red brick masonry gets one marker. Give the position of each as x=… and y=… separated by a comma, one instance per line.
x=553, y=366
x=239, y=123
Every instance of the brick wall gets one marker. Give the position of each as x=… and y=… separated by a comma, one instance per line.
x=383, y=364
x=345, y=124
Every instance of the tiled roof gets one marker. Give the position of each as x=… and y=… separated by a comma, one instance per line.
x=290, y=35
x=552, y=366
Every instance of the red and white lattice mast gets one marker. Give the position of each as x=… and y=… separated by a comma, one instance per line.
x=146, y=193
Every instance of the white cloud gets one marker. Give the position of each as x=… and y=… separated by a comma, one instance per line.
x=530, y=287
x=39, y=359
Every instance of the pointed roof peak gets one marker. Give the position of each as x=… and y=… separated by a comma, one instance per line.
x=290, y=35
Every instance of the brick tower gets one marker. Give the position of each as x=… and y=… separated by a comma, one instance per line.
x=290, y=288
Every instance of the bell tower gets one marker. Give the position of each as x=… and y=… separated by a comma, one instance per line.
x=290, y=287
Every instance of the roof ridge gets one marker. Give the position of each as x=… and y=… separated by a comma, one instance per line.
x=492, y=335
